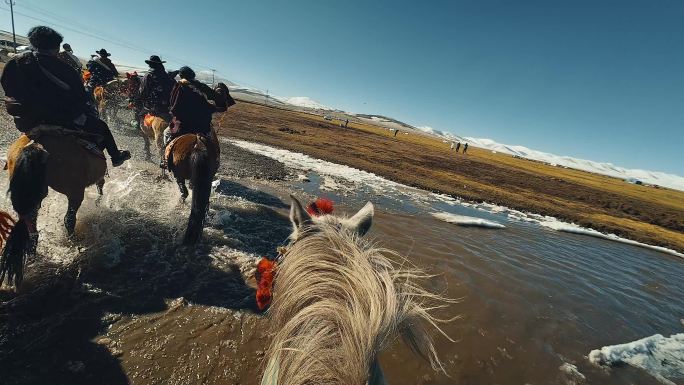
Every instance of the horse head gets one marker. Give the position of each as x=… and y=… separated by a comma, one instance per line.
x=305, y=221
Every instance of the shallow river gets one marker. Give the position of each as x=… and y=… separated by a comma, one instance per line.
x=123, y=303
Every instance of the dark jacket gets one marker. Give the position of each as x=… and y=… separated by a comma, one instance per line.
x=43, y=89
x=71, y=60
x=191, y=109
x=155, y=91
x=102, y=71
x=109, y=64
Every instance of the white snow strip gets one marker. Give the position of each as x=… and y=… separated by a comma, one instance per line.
x=324, y=168
x=463, y=220
x=572, y=373
x=661, y=357
x=555, y=224
x=388, y=188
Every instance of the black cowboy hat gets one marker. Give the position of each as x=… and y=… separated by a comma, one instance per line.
x=103, y=52
x=154, y=59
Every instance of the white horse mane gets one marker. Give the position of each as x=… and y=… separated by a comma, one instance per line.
x=338, y=301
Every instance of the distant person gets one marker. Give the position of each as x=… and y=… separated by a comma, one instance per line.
x=40, y=88
x=156, y=88
x=458, y=146
x=68, y=56
x=395, y=133
x=465, y=148
x=346, y=123
x=101, y=69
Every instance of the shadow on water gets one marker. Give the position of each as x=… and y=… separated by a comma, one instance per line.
x=48, y=329
x=231, y=188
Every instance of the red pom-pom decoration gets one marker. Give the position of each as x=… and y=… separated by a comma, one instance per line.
x=321, y=206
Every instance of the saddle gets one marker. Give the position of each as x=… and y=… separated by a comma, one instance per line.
x=87, y=140
x=209, y=140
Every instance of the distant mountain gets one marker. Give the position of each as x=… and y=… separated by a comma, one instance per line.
x=650, y=177
x=303, y=101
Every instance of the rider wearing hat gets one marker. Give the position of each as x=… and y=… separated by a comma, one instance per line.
x=190, y=106
x=40, y=88
x=102, y=70
x=156, y=87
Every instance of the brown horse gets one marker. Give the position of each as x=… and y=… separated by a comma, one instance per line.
x=194, y=157
x=108, y=99
x=56, y=158
x=153, y=129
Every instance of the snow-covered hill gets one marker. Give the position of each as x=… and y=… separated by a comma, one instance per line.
x=651, y=177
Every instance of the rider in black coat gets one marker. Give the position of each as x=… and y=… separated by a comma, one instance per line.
x=156, y=87
x=40, y=88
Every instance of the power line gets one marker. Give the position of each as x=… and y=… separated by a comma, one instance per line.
x=102, y=36
x=99, y=37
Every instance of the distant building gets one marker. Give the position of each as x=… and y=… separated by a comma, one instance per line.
x=7, y=43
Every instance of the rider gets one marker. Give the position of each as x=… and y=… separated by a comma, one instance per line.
x=67, y=54
x=42, y=89
x=102, y=70
x=156, y=87
x=190, y=105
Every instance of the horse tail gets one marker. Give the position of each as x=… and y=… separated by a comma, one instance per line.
x=27, y=189
x=200, y=177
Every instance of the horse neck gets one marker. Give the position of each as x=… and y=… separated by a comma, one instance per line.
x=335, y=305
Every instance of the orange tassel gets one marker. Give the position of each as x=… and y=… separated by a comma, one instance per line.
x=264, y=276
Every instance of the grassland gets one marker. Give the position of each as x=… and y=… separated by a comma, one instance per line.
x=646, y=214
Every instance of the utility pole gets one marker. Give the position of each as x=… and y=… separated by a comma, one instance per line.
x=14, y=36
x=213, y=72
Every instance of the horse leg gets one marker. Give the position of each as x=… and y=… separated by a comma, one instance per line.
x=202, y=175
x=100, y=186
x=148, y=154
x=183, y=189
x=75, y=201
x=27, y=189
x=159, y=139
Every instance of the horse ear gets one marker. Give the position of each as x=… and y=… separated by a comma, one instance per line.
x=361, y=222
x=298, y=215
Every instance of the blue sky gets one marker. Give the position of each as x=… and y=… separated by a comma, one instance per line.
x=600, y=80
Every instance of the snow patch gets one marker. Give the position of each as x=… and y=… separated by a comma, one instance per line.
x=573, y=376
x=661, y=357
x=463, y=220
x=332, y=173
x=304, y=101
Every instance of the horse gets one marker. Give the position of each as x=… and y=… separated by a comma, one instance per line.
x=131, y=90
x=48, y=156
x=338, y=301
x=194, y=157
x=153, y=129
x=108, y=99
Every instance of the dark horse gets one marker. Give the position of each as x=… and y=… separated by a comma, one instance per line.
x=51, y=157
x=194, y=157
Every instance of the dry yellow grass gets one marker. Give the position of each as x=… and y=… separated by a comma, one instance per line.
x=646, y=214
